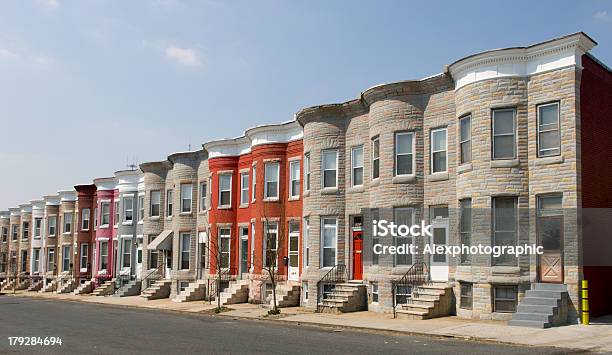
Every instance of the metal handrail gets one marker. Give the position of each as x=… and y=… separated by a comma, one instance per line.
x=417, y=275
x=153, y=276
x=337, y=274
x=226, y=275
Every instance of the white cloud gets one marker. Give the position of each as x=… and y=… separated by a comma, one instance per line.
x=7, y=54
x=602, y=15
x=183, y=56
x=49, y=4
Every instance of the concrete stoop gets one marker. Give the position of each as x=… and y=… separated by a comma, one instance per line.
x=427, y=301
x=346, y=297
x=286, y=296
x=49, y=287
x=160, y=289
x=132, y=288
x=35, y=286
x=107, y=288
x=68, y=287
x=196, y=291
x=23, y=285
x=236, y=292
x=85, y=288
x=7, y=284
x=544, y=306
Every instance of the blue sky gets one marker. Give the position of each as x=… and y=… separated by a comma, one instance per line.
x=87, y=85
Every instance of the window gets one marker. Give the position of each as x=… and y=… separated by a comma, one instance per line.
x=375, y=240
x=330, y=168
x=504, y=299
x=307, y=172
x=402, y=294
x=51, y=259
x=504, y=227
x=3, y=262
x=139, y=251
x=96, y=217
x=504, y=129
x=66, y=258
x=52, y=225
x=85, y=219
x=270, y=242
x=4, y=234
x=404, y=162
x=37, y=227
x=169, y=203
x=67, y=222
x=465, y=139
x=35, y=260
x=25, y=230
x=103, y=255
x=294, y=179
x=203, y=194
x=24, y=261
x=271, y=180
x=374, y=292
x=155, y=203
x=105, y=214
x=126, y=261
x=465, y=226
x=153, y=259
x=305, y=288
x=185, y=246
x=83, y=263
x=403, y=215
x=357, y=166
x=14, y=231
x=224, y=243
x=183, y=286
x=244, y=188
x=225, y=190
x=117, y=217
x=466, y=295
x=329, y=231
x=375, y=158
x=438, y=150
x=306, y=247
x=141, y=208
x=128, y=209
x=254, y=183
x=549, y=139
x=186, y=197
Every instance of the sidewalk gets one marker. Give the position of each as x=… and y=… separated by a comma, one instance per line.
x=595, y=337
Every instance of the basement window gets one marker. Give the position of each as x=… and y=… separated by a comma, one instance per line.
x=505, y=299
x=374, y=292
x=466, y=295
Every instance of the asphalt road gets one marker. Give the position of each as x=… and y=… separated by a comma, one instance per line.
x=88, y=328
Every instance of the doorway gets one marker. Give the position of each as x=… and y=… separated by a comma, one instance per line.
x=244, y=252
x=357, y=248
x=439, y=227
x=293, y=268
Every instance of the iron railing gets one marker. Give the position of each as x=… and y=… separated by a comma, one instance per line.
x=337, y=274
x=417, y=275
x=122, y=280
x=153, y=276
x=218, y=282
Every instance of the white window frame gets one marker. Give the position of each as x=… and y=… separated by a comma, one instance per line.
x=126, y=242
x=25, y=229
x=85, y=218
x=354, y=166
x=334, y=246
x=203, y=196
x=397, y=154
x=128, y=212
x=493, y=135
x=305, y=238
x=375, y=156
x=37, y=227
x=467, y=141
x=152, y=204
x=307, y=171
x=84, y=257
x=50, y=259
x=432, y=151
x=95, y=216
x=229, y=249
x=107, y=214
x=185, y=235
x=294, y=193
x=52, y=225
x=103, y=256
x=540, y=131
x=244, y=189
x=270, y=227
x=231, y=178
x=266, y=181
x=323, y=170
x=35, y=260
x=66, y=260
x=169, y=203
x=254, y=184
x=117, y=214
x=375, y=291
x=186, y=197
x=67, y=223
x=141, y=208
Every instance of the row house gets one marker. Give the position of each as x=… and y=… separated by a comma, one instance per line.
x=4, y=245
x=84, y=242
x=36, y=244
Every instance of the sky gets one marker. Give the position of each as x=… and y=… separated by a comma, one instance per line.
x=89, y=86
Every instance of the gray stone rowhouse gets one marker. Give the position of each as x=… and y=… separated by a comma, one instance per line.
x=517, y=78
x=37, y=236
x=129, y=230
x=25, y=239
x=14, y=230
x=50, y=239
x=66, y=224
x=4, y=244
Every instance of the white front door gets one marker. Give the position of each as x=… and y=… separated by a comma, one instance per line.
x=293, y=268
x=168, y=261
x=439, y=262
x=139, y=258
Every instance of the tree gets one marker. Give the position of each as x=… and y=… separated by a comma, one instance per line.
x=215, y=251
x=275, y=243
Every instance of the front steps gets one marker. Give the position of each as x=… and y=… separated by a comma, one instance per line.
x=194, y=292
x=68, y=287
x=49, y=287
x=286, y=296
x=236, y=292
x=8, y=284
x=544, y=306
x=105, y=289
x=35, y=286
x=160, y=289
x=85, y=288
x=346, y=297
x=427, y=301
x=23, y=284
x=132, y=288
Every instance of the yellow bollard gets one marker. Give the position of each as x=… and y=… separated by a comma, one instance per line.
x=585, y=302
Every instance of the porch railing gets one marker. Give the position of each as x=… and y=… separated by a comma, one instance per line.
x=337, y=274
x=417, y=275
x=153, y=276
x=216, y=282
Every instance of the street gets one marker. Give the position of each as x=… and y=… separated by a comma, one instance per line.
x=88, y=328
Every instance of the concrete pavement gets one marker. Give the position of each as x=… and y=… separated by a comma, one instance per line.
x=595, y=337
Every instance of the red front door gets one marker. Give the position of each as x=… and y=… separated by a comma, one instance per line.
x=357, y=255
